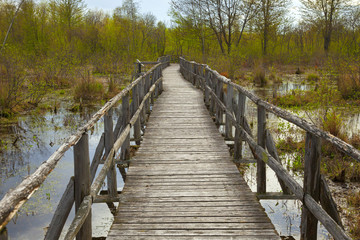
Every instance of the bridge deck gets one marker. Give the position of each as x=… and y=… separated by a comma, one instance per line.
x=182, y=183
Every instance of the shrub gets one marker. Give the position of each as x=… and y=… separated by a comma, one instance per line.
x=312, y=77
x=295, y=98
x=259, y=76
x=88, y=89
x=349, y=86
x=332, y=123
x=12, y=80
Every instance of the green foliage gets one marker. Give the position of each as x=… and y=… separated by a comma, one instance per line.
x=313, y=77
x=332, y=123
x=12, y=79
x=296, y=98
x=88, y=89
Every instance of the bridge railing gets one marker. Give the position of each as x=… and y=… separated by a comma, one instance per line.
x=315, y=189
x=113, y=149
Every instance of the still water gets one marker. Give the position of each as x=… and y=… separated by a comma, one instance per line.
x=26, y=145
x=29, y=142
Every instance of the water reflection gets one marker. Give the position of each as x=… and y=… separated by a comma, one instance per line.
x=286, y=214
x=29, y=142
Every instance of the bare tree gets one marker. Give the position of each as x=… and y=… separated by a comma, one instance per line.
x=11, y=24
x=324, y=14
x=191, y=13
x=248, y=11
x=270, y=16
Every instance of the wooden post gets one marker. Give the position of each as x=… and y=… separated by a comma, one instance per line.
x=109, y=143
x=219, y=92
x=196, y=76
x=261, y=166
x=137, y=126
x=153, y=79
x=141, y=98
x=327, y=202
x=213, y=88
x=192, y=73
x=161, y=88
x=156, y=71
x=207, y=92
x=228, y=126
x=125, y=148
x=311, y=184
x=147, y=87
x=240, y=120
x=4, y=234
x=82, y=182
x=271, y=147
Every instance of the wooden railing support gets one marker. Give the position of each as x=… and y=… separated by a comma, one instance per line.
x=229, y=102
x=206, y=90
x=82, y=182
x=271, y=147
x=312, y=206
x=147, y=87
x=142, y=93
x=109, y=142
x=125, y=148
x=240, y=120
x=261, y=165
x=311, y=184
x=137, y=126
x=219, y=111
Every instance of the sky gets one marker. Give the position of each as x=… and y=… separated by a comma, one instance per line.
x=159, y=8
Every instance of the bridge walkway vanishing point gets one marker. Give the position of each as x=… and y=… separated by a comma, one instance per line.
x=182, y=183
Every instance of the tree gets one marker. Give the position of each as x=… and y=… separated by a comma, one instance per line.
x=248, y=11
x=190, y=15
x=70, y=14
x=324, y=14
x=11, y=23
x=270, y=16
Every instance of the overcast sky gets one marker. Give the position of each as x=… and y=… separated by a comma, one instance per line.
x=159, y=8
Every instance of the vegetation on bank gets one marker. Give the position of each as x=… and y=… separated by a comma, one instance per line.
x=60, y=44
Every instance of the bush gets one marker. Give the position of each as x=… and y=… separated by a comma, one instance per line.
x=332, y=123
x=259, y=76
x=12, y=79
x=349, y=86
x=296, y=98
x=312, y=77
x=88, y=89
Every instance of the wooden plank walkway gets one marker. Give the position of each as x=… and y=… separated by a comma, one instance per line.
x=182, y=183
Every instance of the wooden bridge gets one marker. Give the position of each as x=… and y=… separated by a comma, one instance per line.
x=182, y=183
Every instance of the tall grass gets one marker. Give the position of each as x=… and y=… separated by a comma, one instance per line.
x=88, y=89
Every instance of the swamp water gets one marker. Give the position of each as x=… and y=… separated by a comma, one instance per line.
x=29, y=142
x=286, y=214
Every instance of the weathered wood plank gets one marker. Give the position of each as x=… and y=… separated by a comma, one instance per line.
x=311, y=184
x=82, y=183
x=182, y=178
x=214, y=232
x=109, y=142
x=167, y=237
x=191, y=226
x=261, y=165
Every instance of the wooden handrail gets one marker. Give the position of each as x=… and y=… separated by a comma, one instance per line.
x=300, y=122
x=16, y=197
x=239, y=122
